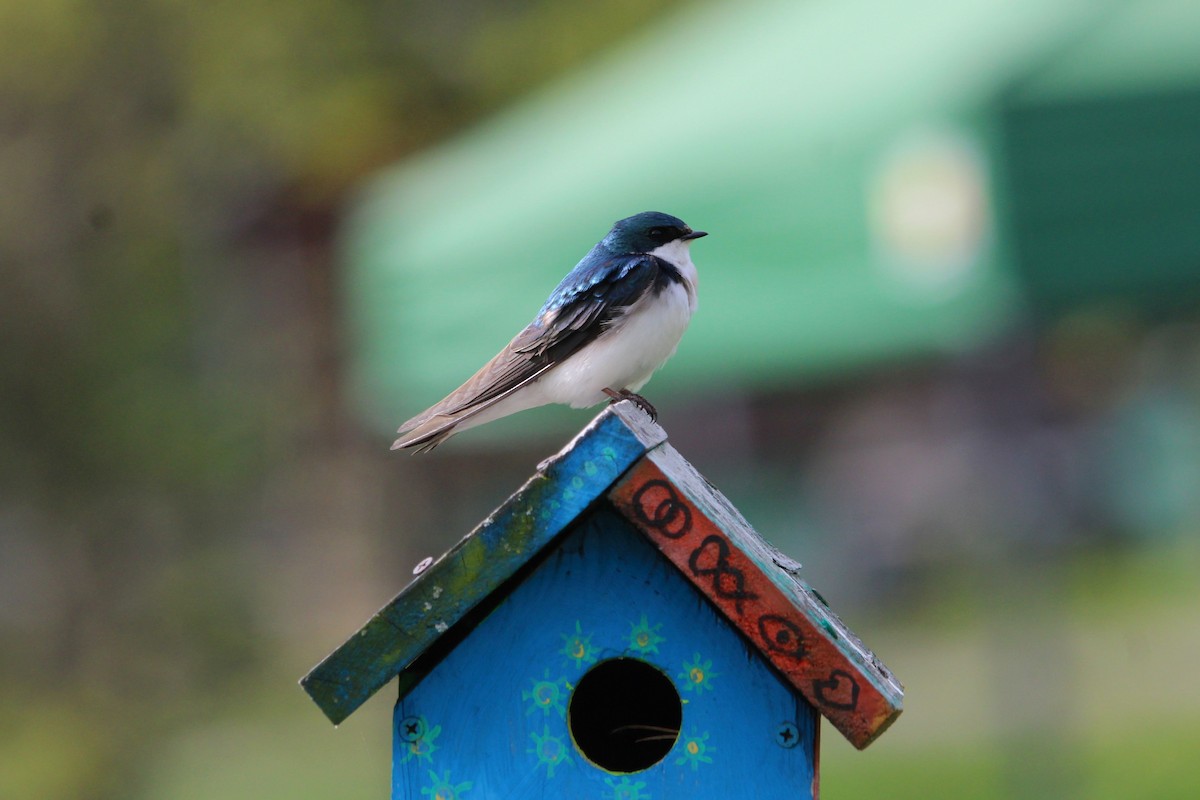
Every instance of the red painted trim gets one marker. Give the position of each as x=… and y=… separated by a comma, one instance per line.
x=816, y=784
x=799, y=647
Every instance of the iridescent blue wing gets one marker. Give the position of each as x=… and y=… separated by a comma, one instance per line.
x=578, y=311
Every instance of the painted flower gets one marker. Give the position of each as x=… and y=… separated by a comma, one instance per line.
x=695, y=751
x=697, y=676
x=547, y=694
x=627, y=789
x=577, y=647
x=643, y=638
x=422, y=749
x=444, y=789
x=550, y=750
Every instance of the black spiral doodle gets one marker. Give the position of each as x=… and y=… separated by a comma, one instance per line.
x=665, y=513
x=781, y=636
x=728, y=582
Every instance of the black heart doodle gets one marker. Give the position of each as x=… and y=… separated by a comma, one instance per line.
x=728, y=582
x=660, y=509
x=838, y=691
x=781, y=636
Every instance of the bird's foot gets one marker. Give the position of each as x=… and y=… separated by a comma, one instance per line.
x=642, y=403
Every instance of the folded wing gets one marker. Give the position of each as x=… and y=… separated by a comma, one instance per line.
x=579, y=310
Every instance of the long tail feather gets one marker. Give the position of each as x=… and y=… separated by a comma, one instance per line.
x=428, y=434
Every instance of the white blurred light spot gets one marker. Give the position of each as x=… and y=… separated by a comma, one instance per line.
x=930, y=212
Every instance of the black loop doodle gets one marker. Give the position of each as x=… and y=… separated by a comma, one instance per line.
x=782, y=636
x=728, y=582
x=663, y=511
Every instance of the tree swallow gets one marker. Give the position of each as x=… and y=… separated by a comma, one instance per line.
x=608, y=326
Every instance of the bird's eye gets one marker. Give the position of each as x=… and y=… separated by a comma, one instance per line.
x=656, y=233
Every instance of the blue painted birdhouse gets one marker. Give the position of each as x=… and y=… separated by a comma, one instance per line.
x=615, y=629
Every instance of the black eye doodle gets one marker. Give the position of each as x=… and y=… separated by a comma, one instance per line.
x=660, y=509
x=781, y=636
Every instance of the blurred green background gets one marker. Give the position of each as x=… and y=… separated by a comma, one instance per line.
x=947, y=355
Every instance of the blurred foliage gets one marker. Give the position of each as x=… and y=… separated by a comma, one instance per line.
x=170, y=174
x=143, y=142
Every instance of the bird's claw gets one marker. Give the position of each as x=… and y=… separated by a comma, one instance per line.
x=642, y=403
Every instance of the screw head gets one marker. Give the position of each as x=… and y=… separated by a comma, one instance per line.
x=412, y=729
x=787, y=735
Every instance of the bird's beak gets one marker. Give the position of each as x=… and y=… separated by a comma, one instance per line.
x=687, y=237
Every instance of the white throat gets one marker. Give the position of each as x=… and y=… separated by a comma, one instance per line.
x=679, y=255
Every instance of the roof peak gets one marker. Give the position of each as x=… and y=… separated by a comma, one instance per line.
x=623, y=457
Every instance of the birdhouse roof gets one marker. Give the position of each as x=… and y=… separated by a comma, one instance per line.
x=624, y=458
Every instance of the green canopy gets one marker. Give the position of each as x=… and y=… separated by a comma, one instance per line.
x=842, y=153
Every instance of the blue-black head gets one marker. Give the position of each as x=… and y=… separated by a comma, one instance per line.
x=646, y=232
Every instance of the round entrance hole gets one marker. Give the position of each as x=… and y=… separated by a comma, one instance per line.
x=624, y=715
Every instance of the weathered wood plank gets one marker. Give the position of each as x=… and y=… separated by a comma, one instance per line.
x=756, y=587
x=563, y=487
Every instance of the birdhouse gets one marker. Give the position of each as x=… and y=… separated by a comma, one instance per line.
x=614, y=629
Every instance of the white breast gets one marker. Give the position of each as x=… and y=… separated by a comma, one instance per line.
x=637, y=344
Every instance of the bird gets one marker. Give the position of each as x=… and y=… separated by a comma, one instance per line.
x=604, y=330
